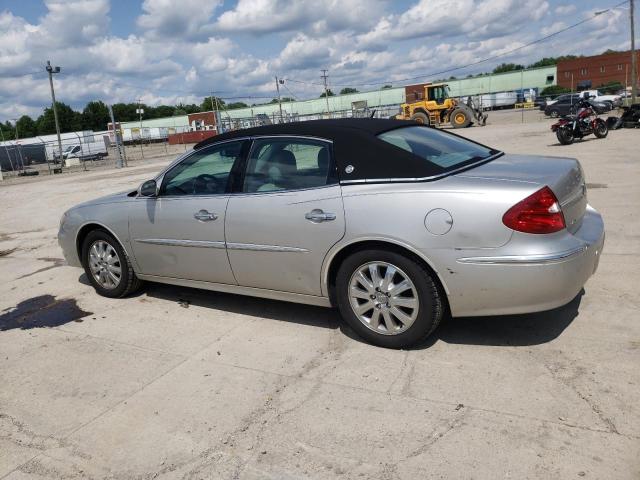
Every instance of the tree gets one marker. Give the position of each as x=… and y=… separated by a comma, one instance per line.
x=544, y=62
x=205, y=106
x=26, y=127
x=191, y=108
x=95, y=116
x=328, y=93
x=125, y=112
x=611, y=87
x=554, y=90
x=160, y=111
x=386, y=87
x=8, y=132
x=69, y=120
x=234, y=105
x=348, y=90
x=507, y=67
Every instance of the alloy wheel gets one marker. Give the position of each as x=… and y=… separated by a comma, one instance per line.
x=383, y=298
x=105, y=264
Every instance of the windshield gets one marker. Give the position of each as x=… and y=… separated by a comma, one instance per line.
x=68, y=149
x=444, y=150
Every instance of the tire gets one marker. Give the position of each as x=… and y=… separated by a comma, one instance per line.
x=565, y=136
x=554, y=113
x=127, y=282
x=460, y=118
x=424, y=293
x=421, y=118
x=601, y=130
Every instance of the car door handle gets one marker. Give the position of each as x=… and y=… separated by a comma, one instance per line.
x=317, y=215
x=204, y=216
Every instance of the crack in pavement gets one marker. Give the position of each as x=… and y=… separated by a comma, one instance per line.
x=557, y=369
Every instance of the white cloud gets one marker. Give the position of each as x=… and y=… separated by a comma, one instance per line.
x=450, y=18
x=166, y=19
x=264, y=16
x=565, y=9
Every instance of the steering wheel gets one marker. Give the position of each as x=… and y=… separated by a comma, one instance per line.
x=206, y=183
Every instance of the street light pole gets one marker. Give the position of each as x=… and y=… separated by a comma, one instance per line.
x=634, y=66
x=51, y=70
x=279, y=100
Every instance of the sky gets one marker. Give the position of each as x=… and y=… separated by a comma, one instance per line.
x=172, y=51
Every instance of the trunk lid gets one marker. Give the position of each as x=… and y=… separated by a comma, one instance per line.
x=563, y=175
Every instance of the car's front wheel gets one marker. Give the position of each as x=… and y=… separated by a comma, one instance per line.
x=107, y=265
x=388, y=299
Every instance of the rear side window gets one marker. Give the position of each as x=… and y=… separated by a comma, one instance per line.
x=277, y=164
x=441, y=149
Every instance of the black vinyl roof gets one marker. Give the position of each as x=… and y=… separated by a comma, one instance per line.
x=355, y=144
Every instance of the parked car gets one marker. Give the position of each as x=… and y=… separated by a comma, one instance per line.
x=393, y=223
x=565, y=104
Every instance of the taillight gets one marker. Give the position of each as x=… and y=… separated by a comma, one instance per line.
x=538, y=213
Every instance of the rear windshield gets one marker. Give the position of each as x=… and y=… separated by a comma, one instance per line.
x=444, y=150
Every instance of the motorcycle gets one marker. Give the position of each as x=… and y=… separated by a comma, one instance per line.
x=583, y=123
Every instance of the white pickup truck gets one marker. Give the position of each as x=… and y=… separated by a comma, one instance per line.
x=614, y=100
x=74, y=154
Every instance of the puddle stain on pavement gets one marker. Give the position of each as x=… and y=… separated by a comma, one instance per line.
x=43, y=311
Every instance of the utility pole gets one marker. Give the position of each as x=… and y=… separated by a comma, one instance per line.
x=15, y=120
x=116, y=136
x=326, y=91
x=634, y=65
x=140, y=111
x=279, y=100
x=51, y=70
x=215, y=115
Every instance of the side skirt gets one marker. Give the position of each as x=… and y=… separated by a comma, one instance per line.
x=249, y=291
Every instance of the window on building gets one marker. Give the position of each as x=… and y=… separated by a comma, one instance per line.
x=567, y=74
x=619, y=66
x=602, y=69
x=583, y=71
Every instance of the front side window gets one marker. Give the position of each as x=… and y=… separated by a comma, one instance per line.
x=205, y=172
x=444, y=150
x=277, y=164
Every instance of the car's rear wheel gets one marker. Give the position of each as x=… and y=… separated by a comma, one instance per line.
x=107, y=265
x=388, y=299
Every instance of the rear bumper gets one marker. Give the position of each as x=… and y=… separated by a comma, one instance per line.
x=511, y=284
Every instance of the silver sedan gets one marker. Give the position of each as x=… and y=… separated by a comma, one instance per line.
x=395, y=224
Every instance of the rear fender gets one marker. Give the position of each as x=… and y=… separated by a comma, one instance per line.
x=559, y=124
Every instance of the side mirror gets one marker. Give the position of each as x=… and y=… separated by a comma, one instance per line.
x=148, y=189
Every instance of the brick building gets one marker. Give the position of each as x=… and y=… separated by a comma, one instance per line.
x=591, y=72
x=202, y=121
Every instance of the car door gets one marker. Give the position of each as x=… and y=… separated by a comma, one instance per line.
x=180, y=232
x=286, y=216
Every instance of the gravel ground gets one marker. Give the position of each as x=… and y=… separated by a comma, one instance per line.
x=181, y=383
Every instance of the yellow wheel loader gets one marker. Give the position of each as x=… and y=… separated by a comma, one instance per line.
x=436, y=108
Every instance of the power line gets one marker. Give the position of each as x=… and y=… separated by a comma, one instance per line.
x=472, y=64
